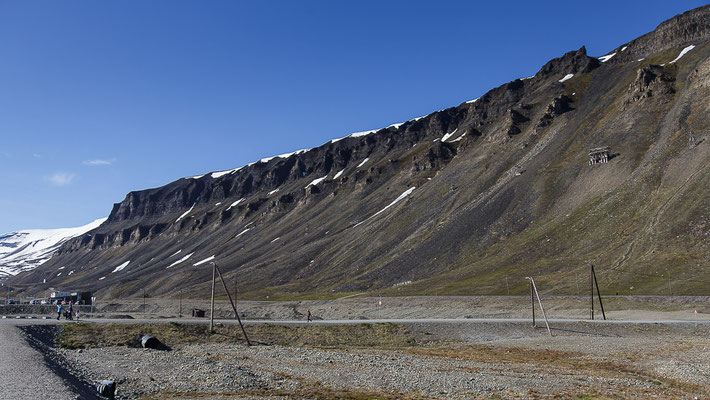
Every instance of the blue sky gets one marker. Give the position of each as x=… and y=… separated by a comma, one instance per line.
x=99, y=98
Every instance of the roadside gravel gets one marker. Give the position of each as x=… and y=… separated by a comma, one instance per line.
x=616, y=361
x=23, y=372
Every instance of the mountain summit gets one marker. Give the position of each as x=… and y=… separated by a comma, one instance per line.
x=591, y=161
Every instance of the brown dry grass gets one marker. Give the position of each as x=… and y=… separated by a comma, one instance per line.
x=86, y=335
x=305, y=392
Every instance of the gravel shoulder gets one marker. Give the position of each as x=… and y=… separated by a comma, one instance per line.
x=26, y=373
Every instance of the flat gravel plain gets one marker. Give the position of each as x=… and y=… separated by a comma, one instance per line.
x=492, y=360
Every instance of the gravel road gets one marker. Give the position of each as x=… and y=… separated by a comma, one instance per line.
x=23, y=371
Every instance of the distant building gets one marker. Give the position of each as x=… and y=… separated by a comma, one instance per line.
x=83, y=298
x=599, y=155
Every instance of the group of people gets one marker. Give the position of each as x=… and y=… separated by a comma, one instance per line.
x=68, y=313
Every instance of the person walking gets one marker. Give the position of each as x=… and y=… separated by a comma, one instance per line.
x=59, y=311
x=308, y=315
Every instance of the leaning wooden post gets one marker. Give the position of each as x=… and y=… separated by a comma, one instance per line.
x=532, y=281
x=596, y=283
x=233, y=306
x=214, y=267
x=532, y=304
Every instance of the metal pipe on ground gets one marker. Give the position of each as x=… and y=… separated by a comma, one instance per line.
x=106, y=388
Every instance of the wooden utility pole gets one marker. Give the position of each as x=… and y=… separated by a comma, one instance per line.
x=214, y=268
x=236, y=314
x=591, y=291
x=594, y=283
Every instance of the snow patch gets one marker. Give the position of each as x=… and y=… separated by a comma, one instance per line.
x=567, y=77
x=448, y=135
x=102, y=278
x=606, y=57
x=185, y=213
x=624, y=48
x=208, y=259
x=216, y=175
x=458, y=138
x=120, y=267
x=242, y=232
x=180, y=260
x=316, y=181
x=236, y=203
x=363, y=133
x=397, y=200
x=176, y=253
x=285, y=155
x=338, y=174
x=276, y=239
x=272, y=192
x=473, y=101
x=682, y=53
x=363, y=162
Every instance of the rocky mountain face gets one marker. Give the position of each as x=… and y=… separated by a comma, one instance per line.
x=470, y=199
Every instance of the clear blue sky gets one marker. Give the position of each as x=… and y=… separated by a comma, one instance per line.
x=98, y=98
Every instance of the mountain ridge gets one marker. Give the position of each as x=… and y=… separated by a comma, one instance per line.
x=494, y=170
